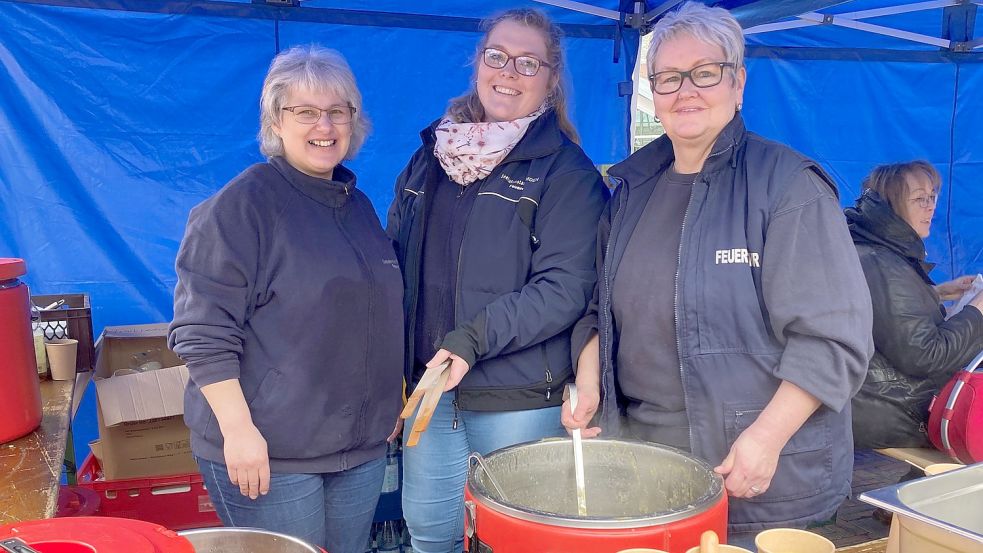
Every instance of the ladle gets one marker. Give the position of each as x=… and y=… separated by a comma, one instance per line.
x=578, y=455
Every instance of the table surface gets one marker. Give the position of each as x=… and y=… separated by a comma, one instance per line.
x=876, y=546
x=921, y=457
x=30, y=467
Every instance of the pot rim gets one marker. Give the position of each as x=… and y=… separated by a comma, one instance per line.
x=697, y=507
x=246, y=530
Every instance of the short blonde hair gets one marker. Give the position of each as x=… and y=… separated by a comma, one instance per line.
x=710, y=25
x=315, y=68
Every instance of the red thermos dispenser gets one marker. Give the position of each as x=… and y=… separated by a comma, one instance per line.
x=20, y=394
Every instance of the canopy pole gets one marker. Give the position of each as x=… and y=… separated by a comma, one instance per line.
x=583, y=8
x=850, y=20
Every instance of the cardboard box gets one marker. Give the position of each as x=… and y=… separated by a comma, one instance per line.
x=141, y=427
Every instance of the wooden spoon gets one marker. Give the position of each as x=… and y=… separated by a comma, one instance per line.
x=709, y=542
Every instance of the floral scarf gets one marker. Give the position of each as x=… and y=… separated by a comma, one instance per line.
x=470, y=151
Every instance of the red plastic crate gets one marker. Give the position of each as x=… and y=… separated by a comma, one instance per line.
x=177, y=502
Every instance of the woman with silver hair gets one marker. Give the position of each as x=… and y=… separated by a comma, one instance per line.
x=731, y=317
x=495, y=220
x=287, y=312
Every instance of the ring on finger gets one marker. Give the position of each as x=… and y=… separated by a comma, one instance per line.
x=755, y=490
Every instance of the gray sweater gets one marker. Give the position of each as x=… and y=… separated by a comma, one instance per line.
x=288, y=283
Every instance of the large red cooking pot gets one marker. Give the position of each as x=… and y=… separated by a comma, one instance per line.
x=90, y=535
x=522, y=499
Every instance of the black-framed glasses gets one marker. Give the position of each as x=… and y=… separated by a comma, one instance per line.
x=524, y=65
x=309, y=115
x=704, y=75
x=925, y=202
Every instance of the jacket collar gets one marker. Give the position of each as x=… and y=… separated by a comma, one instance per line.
x=872, y=221
x=542, y=138
x=656, y=157
x=332, y=193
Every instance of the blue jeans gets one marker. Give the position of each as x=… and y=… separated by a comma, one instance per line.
x=332, y=510
x=436, y=469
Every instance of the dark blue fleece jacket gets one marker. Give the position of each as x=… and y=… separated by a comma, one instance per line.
x=288, y=283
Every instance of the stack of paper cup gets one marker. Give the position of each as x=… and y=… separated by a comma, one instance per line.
x=61, y=358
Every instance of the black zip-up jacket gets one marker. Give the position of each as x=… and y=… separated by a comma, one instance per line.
x=916, y=349
x=768, y=289
x=520, y=286
x=288, y=283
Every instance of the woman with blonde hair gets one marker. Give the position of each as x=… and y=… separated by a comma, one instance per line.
x=287, y=312
x=494, y=220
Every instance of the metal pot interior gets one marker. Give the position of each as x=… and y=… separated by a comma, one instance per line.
x=630, y=483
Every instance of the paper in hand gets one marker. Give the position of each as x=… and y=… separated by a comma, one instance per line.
x=976, y=288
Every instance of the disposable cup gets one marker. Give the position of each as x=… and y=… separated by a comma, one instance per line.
x=721, y=548
x=790, y=540
x=61, y=357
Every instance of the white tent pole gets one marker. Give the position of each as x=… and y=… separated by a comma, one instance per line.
x=905, y=8
x=876, y=29
x=780, y=26
x=849, y=20
x=652, y=14
x=583, y=8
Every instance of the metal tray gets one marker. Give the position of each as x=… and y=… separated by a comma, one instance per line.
x=951, y=501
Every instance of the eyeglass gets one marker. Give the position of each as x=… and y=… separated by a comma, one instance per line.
x=925, y=202
x=524, y=65
x=309, y=115
x=702, y=76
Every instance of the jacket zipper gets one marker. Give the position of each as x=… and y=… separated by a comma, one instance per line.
x=675, y=297
x=606, y=300
x=366, y=270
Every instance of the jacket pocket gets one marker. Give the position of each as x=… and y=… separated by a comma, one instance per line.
x=805, y=464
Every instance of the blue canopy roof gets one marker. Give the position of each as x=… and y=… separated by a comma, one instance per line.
x=119, y=115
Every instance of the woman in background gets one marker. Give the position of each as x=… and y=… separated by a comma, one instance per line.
x=916, y=349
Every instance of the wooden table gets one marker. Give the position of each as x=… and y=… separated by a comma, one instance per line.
x=918, y=456
x=876, y=546
x=30, y=467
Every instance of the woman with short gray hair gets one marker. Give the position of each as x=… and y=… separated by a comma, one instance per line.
x=287, y=313
x=731, y=315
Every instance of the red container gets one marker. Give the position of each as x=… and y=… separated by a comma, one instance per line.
x=178, y=502
x=522, y=499
x=96, y=535
x=20, y=394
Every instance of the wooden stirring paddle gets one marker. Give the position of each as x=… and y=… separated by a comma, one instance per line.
x=426, y=395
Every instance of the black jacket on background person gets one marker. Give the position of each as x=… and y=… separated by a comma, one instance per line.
x=916, y=349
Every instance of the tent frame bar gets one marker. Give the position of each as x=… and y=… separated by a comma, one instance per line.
x=850, y=20
x=583, y=8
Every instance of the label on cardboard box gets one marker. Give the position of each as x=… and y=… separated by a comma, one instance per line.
x=157, y=447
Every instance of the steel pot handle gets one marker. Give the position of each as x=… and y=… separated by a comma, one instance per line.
x=16, y=545
x=476, y=458
x=470, y=532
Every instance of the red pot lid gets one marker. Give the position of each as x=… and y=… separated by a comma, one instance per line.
x=11, y=268
x=99, y=534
